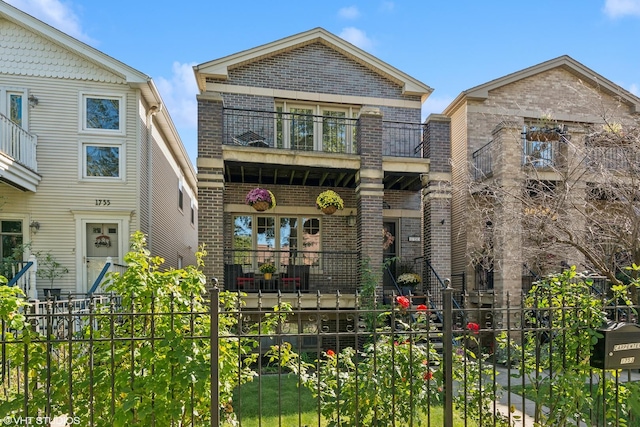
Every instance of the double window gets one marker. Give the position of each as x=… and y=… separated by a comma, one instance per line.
x=325, y=128
x=103, y=115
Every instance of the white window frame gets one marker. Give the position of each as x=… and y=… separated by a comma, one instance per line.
x=350, y=111
x=5, y=93
x=83, y=113
x=180, y=197
x=101, y=143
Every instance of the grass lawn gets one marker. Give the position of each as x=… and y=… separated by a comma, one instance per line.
x=292, y=406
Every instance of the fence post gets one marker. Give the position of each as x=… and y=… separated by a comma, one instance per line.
x=33, y=292
x=447, y=338
x=214, y=301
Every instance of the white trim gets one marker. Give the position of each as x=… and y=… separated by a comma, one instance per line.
x=82, y=116
x=82, y=218
x=5, y=91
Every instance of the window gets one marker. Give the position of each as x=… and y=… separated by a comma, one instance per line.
x=193, y=214
x=180, y=195
x=316, y=128
x=13, y=104
x=102, y=113
x=285, y=239
x=102, y=160
x=11, y=236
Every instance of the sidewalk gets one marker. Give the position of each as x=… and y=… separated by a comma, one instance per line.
x=524, y=409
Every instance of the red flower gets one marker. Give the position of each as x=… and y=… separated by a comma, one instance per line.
x=473, y=327
x=421, y=307
x=331, y=353
x=403, y=301
x=428, y=376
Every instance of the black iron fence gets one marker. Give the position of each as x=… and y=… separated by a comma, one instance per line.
x=317, y=359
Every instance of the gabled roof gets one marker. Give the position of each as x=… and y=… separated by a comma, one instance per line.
x=219, y=68
x=133, y=77
x=481, y=92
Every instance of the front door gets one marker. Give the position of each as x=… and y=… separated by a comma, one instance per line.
x=102, y=241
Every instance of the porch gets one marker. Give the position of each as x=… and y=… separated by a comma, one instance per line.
x=295, y=271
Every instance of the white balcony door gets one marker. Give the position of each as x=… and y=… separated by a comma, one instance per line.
x=102, y=241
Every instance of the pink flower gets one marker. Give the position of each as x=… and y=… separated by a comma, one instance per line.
x=403, y=301
x=473, y=327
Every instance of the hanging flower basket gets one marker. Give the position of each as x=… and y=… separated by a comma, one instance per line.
x=260, y=199
x=329, y=202
x=329, y=210
x=544, y=134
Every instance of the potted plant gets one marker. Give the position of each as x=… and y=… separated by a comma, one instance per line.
x=260, y=199
x=49, y=268
x=329, y=201
x=408, y=281
x=267, y=269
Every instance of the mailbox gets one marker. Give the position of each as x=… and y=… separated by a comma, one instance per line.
x=619, y=347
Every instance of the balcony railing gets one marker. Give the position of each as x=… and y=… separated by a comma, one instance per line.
x=482, y=162
x=617, y=158
x=290, y=131
x=296, y=270
x=17, y=143
x=401, y=139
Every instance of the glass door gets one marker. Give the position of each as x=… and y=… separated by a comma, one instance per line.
x=102, y=241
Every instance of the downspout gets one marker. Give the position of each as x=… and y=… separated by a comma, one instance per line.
x=150, y=113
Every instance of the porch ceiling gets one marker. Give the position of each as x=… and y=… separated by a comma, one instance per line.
x=264, y=174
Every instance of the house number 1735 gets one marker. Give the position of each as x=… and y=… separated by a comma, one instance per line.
x=103, y=202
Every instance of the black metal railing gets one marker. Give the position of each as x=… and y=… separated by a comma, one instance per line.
x=293, y=270
x=616, y=158
x=482, y=162
x=104, y=364
x=402, y=139
x=290, y=131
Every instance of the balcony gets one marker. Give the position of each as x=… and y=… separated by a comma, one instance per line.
x=290, y=131
x=296, y=271
x=282, y=148
x=18, y=165
x=482, y=162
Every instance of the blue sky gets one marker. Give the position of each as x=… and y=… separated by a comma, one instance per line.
x=449, y=45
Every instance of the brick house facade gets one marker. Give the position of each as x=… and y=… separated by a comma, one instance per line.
x=490, y=148
x=301, y=115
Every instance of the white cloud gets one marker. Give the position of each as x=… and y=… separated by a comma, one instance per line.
x=350, y=12
x=357, y=37
x=435, y=105
x=56, y=14
x=618, y=8
x=387, y=6
x=634, y=89
x=179, y=94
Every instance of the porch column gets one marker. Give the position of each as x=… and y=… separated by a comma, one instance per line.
x=370, y=192
x=507, y=250
x=211, y=184
x=436, y=203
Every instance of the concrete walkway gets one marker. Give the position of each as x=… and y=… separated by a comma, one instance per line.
x=524, y=409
